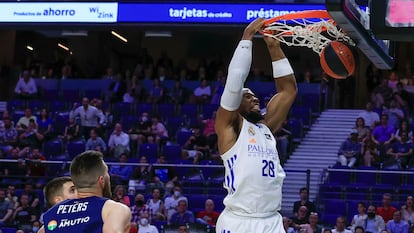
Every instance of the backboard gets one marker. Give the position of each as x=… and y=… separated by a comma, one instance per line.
x=393, y=19
x=355, y=21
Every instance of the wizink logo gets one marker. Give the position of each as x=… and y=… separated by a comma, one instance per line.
x=58, y=12
x=101, y=14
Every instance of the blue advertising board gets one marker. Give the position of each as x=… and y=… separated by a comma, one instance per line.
x=205, y=13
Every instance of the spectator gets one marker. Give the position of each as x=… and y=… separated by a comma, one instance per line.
x=370, y=117
x=72, y=131
x=402, y=97
x=140, y=207
x=202, y=94
x=17, y=170
x=129, y=96
x=120, y=195
x=162, y=73
x=372, y=223
x=369, y=151
x=26, y=86
x=283, y=140
x=156, y=92
x=196, y=146
x=361, y=214
x=8, y=137
x=177, y=94
x=340, y=226
x=382, y=94
x=120, y=173
x=11, y=196
x=66, y=72
x=139, y=132
x=208, y=216
x=386, y=211
x=24, y=215
x=35, y=226
x=383, y=135
x=210, y=133
x=95, y=143
x=158, y=130
x=24, y=121
x=301, y=217
x=141, y=174
x=34, y=164
x=6, y=209
x=163, y=173
x=396, y=225
x=307, y=77
x=182, y=215
x=304, y=201
x=400, y=153
x=145, y=226
x=156, y=205
x=88, y=115
x=361, y=128
x=118, y=141
x=171, y=202
x=407, y=210
x=393, y=80
x=359, y=229
x=34, y=200
x=117, y=88
x=350, y=150
x=44, y=124
x=395, y=114
x=109, y=74
x=182, y=228
x=30, y=137
x=313, y=225
x=287, y=222
x=403, y=127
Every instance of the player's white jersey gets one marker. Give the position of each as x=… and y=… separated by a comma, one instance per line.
x=253, y=174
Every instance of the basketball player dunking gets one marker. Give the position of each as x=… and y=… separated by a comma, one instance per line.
x=253, y=174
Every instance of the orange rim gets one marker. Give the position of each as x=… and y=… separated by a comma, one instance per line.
x=321, y=14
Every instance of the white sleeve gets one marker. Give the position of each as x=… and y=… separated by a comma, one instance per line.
x=237, y=73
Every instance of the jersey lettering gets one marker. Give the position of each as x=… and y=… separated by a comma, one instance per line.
x=77, y=207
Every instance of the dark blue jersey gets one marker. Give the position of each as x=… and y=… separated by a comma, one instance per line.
x=82, y=215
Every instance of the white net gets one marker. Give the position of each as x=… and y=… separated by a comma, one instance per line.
x=307, y=33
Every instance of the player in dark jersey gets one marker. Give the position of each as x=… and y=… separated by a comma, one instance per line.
x=92, y=211
x=57, y=190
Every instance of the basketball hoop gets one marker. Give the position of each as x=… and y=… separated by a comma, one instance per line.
x=313, y=29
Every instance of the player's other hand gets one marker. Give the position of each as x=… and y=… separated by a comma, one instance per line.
x=271, y=42
x=252, y=28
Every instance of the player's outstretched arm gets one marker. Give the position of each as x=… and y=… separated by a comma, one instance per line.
x=278, y=107
x=228, y=119
x=117, y=217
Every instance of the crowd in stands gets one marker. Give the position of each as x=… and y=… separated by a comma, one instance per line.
x=383, y=134
x=381, y=217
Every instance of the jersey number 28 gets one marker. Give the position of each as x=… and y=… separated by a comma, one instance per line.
x=268, y=168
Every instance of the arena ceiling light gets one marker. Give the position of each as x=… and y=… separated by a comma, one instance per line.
x=158, y=34
x=63, y=47
x=119, y=36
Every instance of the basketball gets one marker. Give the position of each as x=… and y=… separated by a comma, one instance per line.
x=337, y=60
